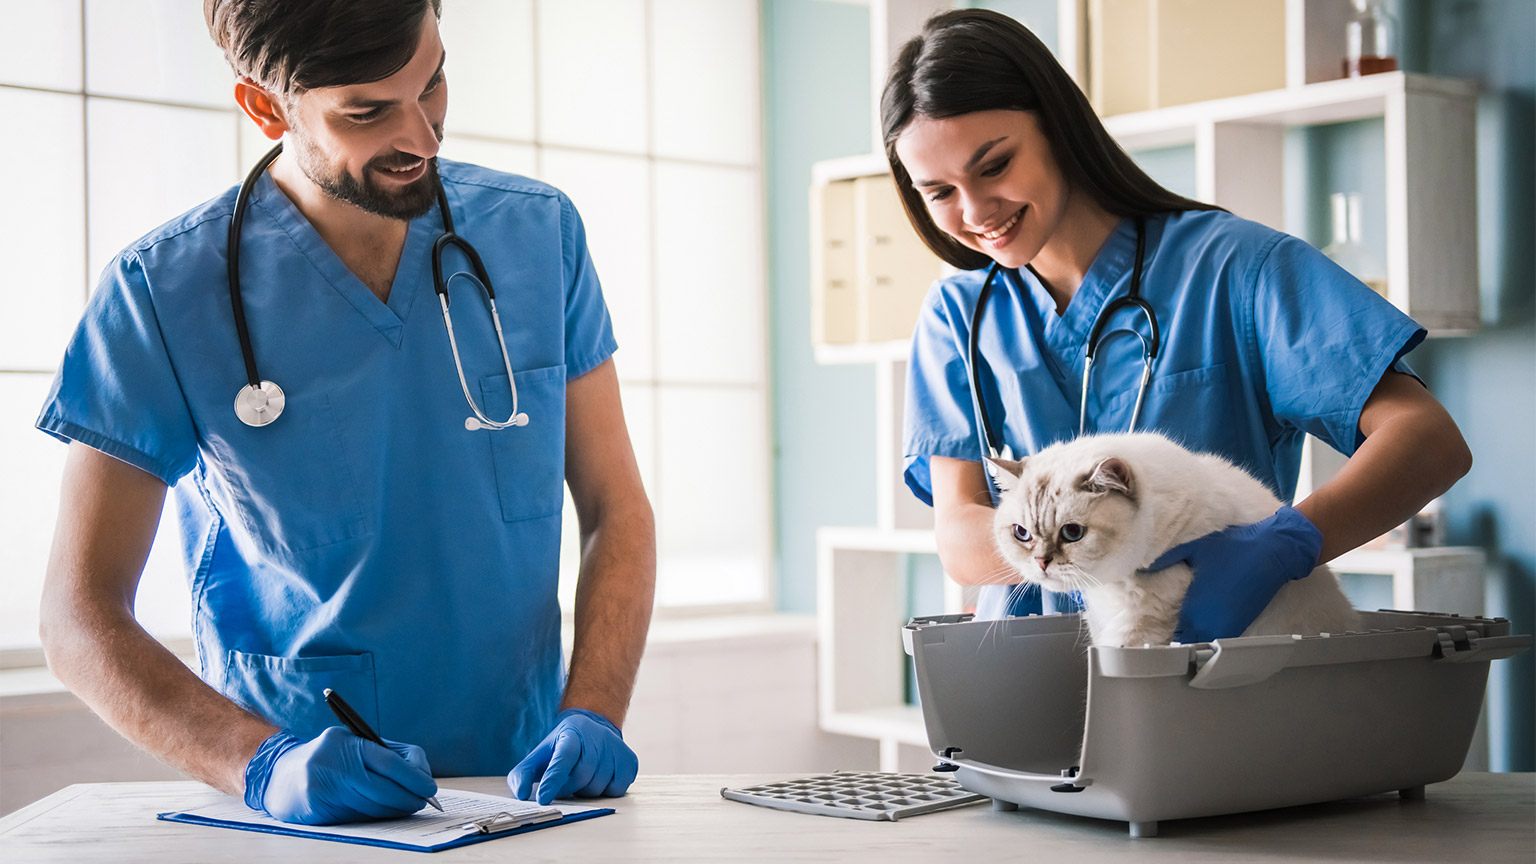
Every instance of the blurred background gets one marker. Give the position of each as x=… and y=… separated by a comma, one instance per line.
x=686, y=131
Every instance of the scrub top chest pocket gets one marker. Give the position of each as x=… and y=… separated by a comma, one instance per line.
x=529, y=461
x=288, y=691
x=1191, y=399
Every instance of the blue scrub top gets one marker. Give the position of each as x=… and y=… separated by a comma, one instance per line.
x=1264, y=340
x=365, y=541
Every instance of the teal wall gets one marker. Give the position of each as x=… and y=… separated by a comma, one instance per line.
x=816, y=100
x=1488, y=381
x=817, y=83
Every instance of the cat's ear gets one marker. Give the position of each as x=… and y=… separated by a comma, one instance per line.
x=1110, y=475
x=1005, y=471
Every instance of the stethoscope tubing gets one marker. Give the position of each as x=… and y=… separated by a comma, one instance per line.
x=262, y=402
x=236, y=301
x=994, y=446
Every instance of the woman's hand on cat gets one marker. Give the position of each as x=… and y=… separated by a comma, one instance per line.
x=1237, y=571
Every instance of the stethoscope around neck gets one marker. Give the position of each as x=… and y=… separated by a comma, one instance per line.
x=260, y=402
x=996, y=448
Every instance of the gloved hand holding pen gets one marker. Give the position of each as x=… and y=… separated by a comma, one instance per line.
x=337, y=777
x=584, y=756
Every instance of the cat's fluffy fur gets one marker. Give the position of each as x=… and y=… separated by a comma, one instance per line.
x=1136, y=496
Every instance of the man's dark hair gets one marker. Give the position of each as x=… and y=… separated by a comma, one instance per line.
x=289, y=46
x=977, y=60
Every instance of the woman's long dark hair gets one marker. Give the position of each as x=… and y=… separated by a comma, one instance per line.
x=969, y=60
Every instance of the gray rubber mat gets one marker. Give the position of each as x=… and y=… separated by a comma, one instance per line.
x=853, y=795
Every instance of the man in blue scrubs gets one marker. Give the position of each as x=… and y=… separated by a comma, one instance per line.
x=364, y=541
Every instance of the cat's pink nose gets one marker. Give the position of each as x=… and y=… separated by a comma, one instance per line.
x=1043, y=562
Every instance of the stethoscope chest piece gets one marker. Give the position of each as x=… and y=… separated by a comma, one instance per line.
x=258, y=406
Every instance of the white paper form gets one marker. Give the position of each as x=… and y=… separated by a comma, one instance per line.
x=424, y=829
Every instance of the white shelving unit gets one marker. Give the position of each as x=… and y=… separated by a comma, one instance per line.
x=1437, y=579
x=1430, y=149
x=1431, y=129
x=860, y=611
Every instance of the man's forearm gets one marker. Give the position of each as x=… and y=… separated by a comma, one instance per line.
x=614, y=595
x=140, y=689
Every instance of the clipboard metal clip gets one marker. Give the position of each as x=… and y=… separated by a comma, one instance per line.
x=504, y=821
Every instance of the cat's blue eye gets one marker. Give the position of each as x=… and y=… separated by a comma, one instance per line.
x=1072, y=532
x=1021, y=534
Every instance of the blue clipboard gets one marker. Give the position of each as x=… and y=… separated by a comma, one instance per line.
x=490, y=831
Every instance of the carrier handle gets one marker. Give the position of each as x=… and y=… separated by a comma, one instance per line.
x=1244, y=661
x=1070, y=776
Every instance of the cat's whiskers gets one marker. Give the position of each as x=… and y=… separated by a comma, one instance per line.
x=1084, y=637
x=1005, y=575
x=1016, y=592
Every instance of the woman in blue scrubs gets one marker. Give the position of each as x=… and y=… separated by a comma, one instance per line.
x=999, y=158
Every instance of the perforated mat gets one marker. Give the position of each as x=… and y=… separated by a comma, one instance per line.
x=853, y=795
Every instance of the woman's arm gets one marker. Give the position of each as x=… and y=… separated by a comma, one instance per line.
x=1412, y=453
x=962, y=513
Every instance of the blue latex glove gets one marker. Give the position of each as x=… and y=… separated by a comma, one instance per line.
x=584, y=756
x=1237, y=572
x=336, y=777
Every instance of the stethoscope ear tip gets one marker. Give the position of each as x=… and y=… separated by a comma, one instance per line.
x=473, y=423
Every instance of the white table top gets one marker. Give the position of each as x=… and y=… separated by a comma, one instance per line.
x=1476, y=818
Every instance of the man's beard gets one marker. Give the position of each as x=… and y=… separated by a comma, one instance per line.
x=404, y=203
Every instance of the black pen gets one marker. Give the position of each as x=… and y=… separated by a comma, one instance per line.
x=349, y=718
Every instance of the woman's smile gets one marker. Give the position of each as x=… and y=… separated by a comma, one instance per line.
x=1003, y=234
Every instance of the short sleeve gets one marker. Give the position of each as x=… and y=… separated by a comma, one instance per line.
x=940, y=419
x=588, y=329
x=1324, y=341
x=116, y=390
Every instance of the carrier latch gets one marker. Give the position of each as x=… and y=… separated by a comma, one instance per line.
x=1071, y=785
x=1240, y=662
x=944, y=764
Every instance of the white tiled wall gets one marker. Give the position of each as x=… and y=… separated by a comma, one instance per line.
x=157, y=50
x=490, y=68
x=497, y=155
x=713, y=533
x=149, y=163
x=613, y=194
x=40, y=44
x=44, y=238
x=592, y=74
x=699, y=76
x=709, y=280
x=32, y=463
x=646, y=112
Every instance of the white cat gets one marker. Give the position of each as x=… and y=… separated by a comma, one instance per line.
x=1087, y=515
